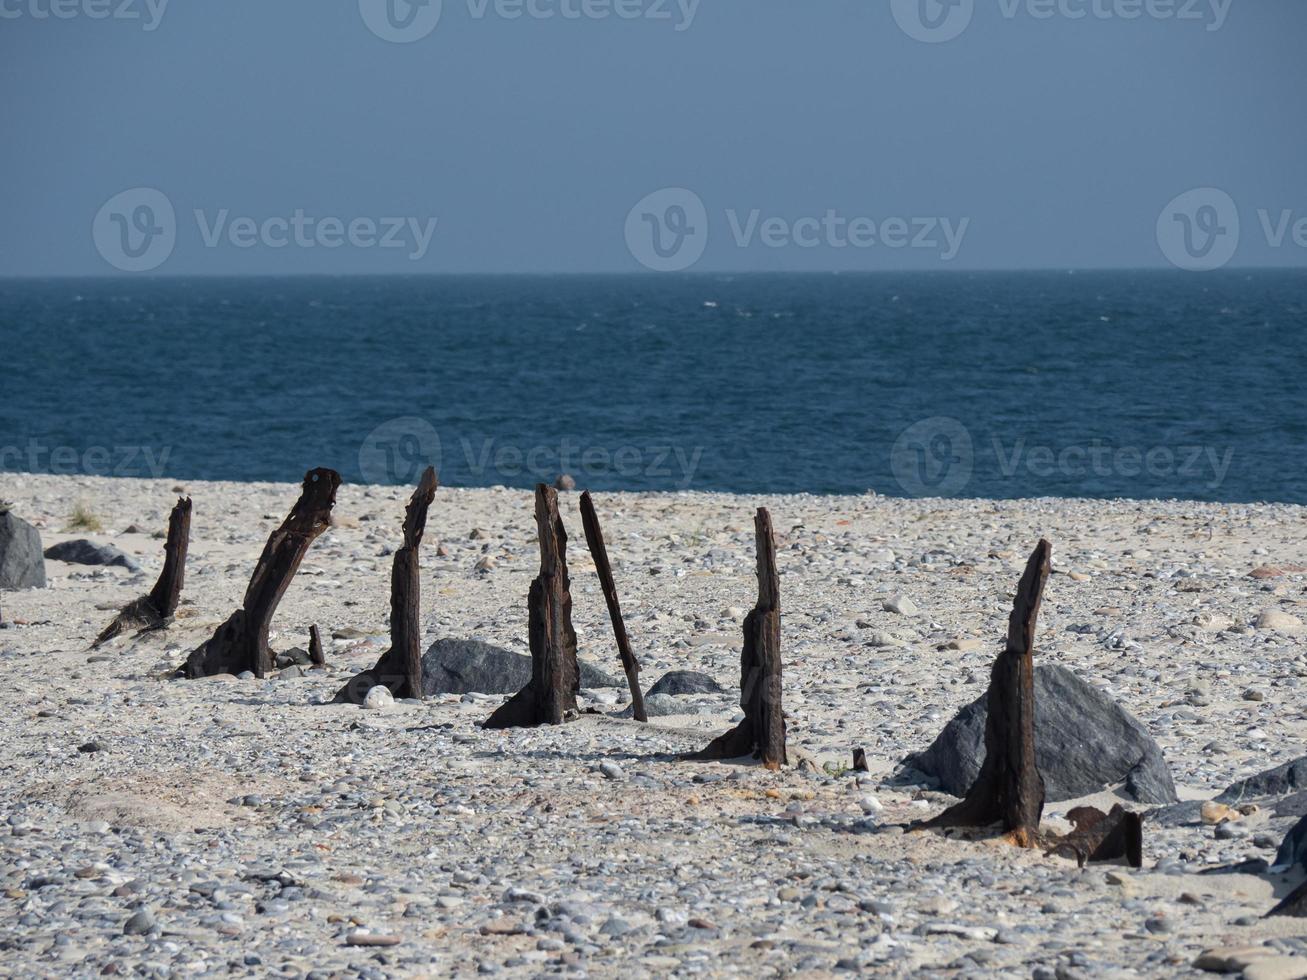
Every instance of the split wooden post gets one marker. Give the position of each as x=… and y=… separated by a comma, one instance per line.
x=762, y=732
x=551, y=693
x=157, y=609
x=400, y=668
x=1009, y=789
x=241, y=643
x=594, y=537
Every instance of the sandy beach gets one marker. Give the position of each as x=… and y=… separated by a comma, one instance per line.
x=261, y=831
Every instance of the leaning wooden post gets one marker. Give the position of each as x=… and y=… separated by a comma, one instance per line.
x=241, y=643
x=400, y=667
x=594, y=537
x=156, y=609
x=1009, y=789
x=551, y=694
x=762, y=732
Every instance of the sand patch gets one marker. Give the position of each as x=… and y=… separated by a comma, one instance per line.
x=174, y=801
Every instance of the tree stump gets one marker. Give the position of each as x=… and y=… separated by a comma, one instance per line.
x=551, y=693
x=762, y=732
x=157, y=609
x=400, y=668
x=241, y=643
x=594, y=537
x=1009, y=789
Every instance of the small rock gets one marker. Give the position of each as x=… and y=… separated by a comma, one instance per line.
x=564, y=482
x=902, y=605
x=141, y=923
x=1214, y=813
x=611, y=770
x=379, y=698
x=1279, y=621
x=361, y=938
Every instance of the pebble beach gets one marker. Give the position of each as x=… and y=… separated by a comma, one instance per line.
x=246, y=827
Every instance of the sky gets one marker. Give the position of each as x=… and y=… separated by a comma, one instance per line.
x=270, y=137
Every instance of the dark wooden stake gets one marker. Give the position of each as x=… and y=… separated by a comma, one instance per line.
x=860, y=761
x=551, y=694
x=594, y=537
x=400, y=667
x=316, y=656
x=157, y=609
x=1009, y=789
x=1100, y=836
x=241, y=643
x=762, y=732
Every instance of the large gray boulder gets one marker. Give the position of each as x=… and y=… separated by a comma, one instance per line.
x=83, y=552
x=21, y=563
x=1084, y=742
x=452, y=666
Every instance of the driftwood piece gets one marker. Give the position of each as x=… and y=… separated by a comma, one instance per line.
x=550, y=696
x=400, y=668
x=762, y=732
x=860, y=761
x=594, y=537
x=316, y=656
x=157, y=609
x=1100, y=836
x=241, y=643
x=1009, y=789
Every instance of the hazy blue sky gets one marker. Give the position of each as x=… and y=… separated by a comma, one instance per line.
x=1041, y=139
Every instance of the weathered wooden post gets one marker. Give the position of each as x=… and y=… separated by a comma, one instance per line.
x=762, y=732
x=156, y=609
x=551, y=693
x=316, y=656
x=1009, y=789
x=400, y=667
x=594, y=537
x=241, y=643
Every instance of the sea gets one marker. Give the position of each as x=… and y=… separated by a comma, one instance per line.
x=1146, y=384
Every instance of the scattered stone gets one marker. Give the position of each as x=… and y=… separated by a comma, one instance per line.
x=1279, y=621
x=140, y=924
x=360, y=938
x=21, y=563
x=677, y=682
x=452, y=666
x=564, y=482
x=379, y=698
x=83, y=552
x=902, y=605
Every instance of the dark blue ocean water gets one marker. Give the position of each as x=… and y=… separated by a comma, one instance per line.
x=1120, y=384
